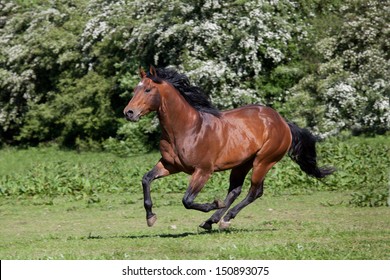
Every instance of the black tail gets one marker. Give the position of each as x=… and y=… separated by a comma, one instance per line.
x=303, y=152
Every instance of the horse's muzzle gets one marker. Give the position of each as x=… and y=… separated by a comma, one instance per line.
x=132, y=116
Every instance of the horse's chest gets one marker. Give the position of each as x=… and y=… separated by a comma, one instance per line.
x=177, y=156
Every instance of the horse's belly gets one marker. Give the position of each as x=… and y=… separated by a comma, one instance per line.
x=237, y=151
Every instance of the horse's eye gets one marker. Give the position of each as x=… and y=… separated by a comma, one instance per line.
x=147, y=90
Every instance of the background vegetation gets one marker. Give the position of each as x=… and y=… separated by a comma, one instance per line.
x=67, y=68
x=42, y=175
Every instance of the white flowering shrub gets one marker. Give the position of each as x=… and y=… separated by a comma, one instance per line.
x=226, y=47
x=36, y=47
x=238, y=51
x=351, y=87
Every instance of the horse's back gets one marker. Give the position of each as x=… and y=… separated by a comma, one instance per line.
x=261, y=119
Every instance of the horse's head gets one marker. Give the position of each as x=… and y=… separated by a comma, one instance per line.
x=146, y=97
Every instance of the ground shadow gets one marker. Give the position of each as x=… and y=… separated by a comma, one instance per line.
x=185, y=234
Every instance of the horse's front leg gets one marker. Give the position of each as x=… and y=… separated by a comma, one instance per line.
x=161, y=169
x=197, y=182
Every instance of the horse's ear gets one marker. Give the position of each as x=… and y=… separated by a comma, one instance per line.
x=142, y=73
x=152, y=71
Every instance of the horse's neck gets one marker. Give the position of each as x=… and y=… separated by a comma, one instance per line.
x=176, y=115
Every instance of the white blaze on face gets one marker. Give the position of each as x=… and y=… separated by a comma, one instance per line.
x=140, y=84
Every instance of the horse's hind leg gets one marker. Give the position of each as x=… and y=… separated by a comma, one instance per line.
x=237, y=177
x=197, y=182
x=255, y=191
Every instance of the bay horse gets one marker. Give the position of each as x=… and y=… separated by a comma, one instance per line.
x=198, y=139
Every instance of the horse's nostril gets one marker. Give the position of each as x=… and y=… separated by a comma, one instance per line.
x=130, y=115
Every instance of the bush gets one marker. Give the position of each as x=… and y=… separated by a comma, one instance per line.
x=362, y=173
x=80, y=114
x=350, y=88
x=37, y=44
x=371, y=197
x=330, y=56
x=134, y=138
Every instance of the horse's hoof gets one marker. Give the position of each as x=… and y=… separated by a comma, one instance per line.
x=151, y=220
x=224, y=225
x=220, y=204
x=206, y=226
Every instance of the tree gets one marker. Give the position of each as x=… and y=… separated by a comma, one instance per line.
x=350, y=89
x=330, y=56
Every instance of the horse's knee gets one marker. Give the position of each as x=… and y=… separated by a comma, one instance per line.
x=187, y=202
x=148, y=204
x=147, y=179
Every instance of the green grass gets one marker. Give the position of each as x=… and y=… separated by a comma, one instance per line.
x=285, y=227
x=362, y=168
x=57, y=204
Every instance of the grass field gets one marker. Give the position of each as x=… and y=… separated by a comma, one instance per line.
x=65, y=205
x=286, y=227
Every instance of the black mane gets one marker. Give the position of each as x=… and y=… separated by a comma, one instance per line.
x=192, y=94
